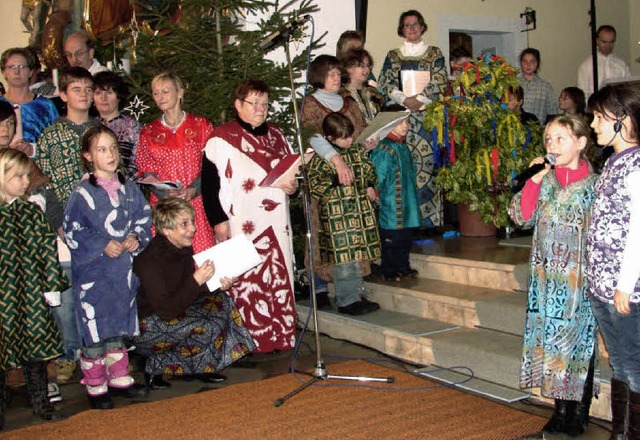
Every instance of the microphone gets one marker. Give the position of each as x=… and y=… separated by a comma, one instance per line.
x=518, y=183
x=274, y=38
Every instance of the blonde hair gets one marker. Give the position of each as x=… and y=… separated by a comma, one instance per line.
x=165, y=212
x=168, y=76
x=9, y=159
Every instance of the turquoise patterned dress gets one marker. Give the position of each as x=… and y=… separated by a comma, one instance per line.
x=425, y=155
x=560, y=329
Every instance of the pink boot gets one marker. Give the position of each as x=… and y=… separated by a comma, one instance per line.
x=94, y=378
x=117, y=365
x=120, y=381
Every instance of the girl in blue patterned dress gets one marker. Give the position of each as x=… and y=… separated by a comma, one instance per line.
x=560, y=330
x=107, y=222
x=613, y=250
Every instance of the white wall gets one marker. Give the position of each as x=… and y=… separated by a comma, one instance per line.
x=562, y=34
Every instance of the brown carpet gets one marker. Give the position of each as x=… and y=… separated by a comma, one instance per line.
x=246, y=411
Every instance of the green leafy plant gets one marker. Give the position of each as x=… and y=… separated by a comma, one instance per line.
x=484, y=143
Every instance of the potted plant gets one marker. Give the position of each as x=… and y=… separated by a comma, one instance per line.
x=484, y=144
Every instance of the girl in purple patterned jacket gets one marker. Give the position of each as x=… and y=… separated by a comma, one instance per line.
x=613, y=250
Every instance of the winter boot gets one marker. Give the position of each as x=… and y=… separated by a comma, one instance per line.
x=619, y=408
x=94, y=378
x=35, y=373
x=579, y=419
x=633, y=427
x=119, y=380
x=559, y=419
x=3, y=397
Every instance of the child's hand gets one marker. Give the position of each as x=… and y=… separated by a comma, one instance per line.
x=345, y=175
x=131, y=243
x=204, y=272
x=226, y=282
x=372, y=194
x=371, y=143
x=113, y=249
x=621, y=302
x=537, y=178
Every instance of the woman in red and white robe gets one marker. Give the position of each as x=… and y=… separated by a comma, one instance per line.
x=237, y=158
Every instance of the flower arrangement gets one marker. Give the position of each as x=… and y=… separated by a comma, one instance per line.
x=484, y=144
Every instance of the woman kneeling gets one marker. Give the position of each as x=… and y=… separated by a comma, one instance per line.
x=185, y=330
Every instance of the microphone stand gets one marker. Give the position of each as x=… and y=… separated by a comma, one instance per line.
x=320, y=371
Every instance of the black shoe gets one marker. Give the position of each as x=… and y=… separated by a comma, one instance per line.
x=156, y=382
x=103, y=401
x=135, y=391
x=210, y=377
x=359, y=307
x=409, y=273
x=391, y=276
x=322, y=300
x=372, y=305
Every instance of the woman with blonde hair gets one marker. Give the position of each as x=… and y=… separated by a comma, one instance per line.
x=170, y=149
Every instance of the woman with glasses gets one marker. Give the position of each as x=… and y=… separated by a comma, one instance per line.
x=36, y=112
x=239, y=156
x=357, y=69
x=170, y=149
x=413, y=75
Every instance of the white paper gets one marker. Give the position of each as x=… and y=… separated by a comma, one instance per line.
x=231, y=258
x=414, y=81
x=381, y=126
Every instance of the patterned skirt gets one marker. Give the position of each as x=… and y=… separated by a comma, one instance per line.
x=207, y=338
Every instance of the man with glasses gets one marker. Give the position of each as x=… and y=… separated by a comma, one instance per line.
x=79, y=51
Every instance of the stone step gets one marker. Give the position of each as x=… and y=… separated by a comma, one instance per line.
x=455, y=303
x=492, y=356
x=493, y=275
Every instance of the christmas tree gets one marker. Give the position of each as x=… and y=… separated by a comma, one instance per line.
x=205, y=43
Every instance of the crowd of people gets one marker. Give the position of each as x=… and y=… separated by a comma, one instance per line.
x=92, y=267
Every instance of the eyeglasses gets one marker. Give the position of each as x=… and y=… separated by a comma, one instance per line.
x=262, y=105
x=19, y=67
x=76, y=54
x=411, y=25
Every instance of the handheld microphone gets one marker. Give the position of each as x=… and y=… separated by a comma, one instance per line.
x=274, y=38
x=518, y=183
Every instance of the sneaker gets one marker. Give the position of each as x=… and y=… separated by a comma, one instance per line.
x=65, y=370
x=53, y=392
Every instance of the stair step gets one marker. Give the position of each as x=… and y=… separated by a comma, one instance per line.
x=494, y=275
x=455, y=303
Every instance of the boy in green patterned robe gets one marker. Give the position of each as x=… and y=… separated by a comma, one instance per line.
x=348, y=226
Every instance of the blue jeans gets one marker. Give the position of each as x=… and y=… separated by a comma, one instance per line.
x=622, y=337
x=99, y=349
x=347, y=280
x=320, y=284
x=65, y=317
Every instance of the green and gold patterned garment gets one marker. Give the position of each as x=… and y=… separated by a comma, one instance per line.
x=28, y=268
x=348, y=225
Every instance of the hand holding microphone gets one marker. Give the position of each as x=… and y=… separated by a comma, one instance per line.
x=537, y=165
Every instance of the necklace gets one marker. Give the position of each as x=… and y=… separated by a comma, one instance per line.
x=173, y=128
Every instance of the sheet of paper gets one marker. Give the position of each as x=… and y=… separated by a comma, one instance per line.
x=414, y=81
x=382, y=125
x=231, y=258
x=160, y=184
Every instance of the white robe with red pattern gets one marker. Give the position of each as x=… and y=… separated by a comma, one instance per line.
x=264, y=295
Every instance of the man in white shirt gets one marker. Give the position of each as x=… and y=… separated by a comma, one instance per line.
x=609, y=65
x=78, y=50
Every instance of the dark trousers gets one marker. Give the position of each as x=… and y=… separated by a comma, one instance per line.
x=396, y=246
